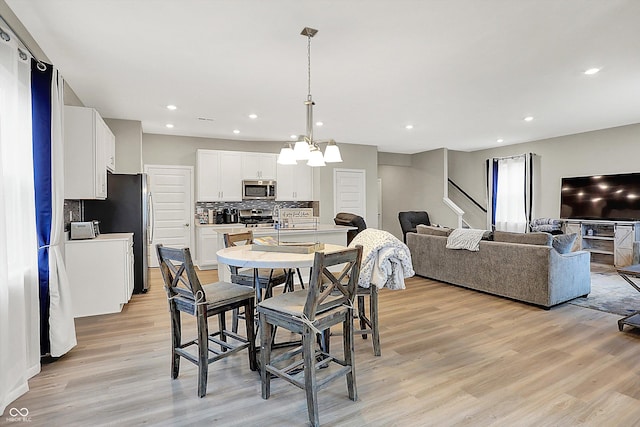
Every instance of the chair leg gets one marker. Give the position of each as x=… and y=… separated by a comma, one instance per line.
x=310, y=383
x=234, y=320
x=361, y=315
x=349, y=356
x=203, y=350
x=222, y=327
x=176, y=339
x=250, y=325
x=265, y=355
x=299, y=278
x=373, y=315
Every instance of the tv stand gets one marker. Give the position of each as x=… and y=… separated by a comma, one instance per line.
x=610, y=242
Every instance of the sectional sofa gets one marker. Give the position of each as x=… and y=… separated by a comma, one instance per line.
x=533, y=273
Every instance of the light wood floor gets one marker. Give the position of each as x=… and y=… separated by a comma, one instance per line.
x=450, y=356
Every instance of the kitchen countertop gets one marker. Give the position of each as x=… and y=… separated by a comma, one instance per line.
x=266, y=231
x=102, y=237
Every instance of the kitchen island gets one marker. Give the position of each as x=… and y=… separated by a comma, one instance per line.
x=209, y=238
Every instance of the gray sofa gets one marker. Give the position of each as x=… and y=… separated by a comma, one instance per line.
x=536, y=274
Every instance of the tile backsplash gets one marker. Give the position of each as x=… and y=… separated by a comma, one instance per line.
x=266, y=205
x=72, y=212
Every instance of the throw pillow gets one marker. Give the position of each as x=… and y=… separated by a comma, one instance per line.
x=433, y=231
x=465, y=238
x=536, y=238
x=563, y=243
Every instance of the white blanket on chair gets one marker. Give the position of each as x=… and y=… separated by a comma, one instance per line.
x=386, y=261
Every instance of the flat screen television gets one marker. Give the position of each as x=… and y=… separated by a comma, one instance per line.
x=606, y=197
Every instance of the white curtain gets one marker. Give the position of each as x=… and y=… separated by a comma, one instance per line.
x=510, y=212
x=62, y=332
x=19, y=308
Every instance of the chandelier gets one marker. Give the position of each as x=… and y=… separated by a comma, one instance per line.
x=306, y=148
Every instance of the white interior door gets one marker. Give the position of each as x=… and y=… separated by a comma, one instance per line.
x=171, y=189
x=349, y=189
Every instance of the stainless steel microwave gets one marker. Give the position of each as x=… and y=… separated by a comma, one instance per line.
x=258, y=190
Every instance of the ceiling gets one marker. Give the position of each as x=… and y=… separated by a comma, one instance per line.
x=464, y=73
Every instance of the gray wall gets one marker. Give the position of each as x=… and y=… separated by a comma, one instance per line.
x=607, y=151
x=128, y=135
x=181, y=150
x=413, y=183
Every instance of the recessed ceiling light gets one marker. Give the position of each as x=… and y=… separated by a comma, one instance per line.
x=236, y=131
x=171, y=107
x=169, y=125
x=319, y=123
x=500, y=140
x=408, y=127
x=592, y=71
x=528, y=118
x=294, y=136
x=253, y=116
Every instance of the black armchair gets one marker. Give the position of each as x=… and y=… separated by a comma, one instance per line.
x=352, y=220
x=409, y=220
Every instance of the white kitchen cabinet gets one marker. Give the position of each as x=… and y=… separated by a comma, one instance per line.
x=110, y=148
x=219, y=176
x=86, y=137
x=259, y=165
x=209, y=239
x=208, y=245
x=295, y=182
x=100, y=273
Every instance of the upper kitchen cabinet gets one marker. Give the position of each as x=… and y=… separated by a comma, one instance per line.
x=219, y=176
x=259, y=165
x=295, y=182
x=110, y=149
x=87, y=140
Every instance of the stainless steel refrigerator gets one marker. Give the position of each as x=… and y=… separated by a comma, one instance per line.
x=127, y=209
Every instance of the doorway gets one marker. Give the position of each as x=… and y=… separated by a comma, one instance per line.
x=171, y=189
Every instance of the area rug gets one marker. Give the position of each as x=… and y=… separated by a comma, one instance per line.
x=610, y=293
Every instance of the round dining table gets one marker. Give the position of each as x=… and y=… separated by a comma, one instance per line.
x=245, y=256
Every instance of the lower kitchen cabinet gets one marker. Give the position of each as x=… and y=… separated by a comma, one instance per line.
x=209, y=240
x=100, y=273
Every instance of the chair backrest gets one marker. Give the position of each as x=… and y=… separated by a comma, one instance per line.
x=328, y=290
x=411, y=219
x=353, y=220
x=237, y=239
x=178, y=273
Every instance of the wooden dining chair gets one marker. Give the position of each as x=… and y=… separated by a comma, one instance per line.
x=187, y=295
x=310, y=312
x=369, y=324
x=267, y=277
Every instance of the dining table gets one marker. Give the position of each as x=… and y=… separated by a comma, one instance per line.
x=250, y=256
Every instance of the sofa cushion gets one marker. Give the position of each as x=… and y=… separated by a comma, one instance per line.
x=535, y=238
x=563, y=243
x=433, y=231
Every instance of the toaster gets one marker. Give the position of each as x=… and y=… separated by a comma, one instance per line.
x=84, y=230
